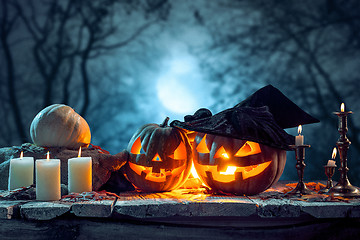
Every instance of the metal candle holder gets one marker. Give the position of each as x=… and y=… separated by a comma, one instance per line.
x=329, y=172
x=344, y=187
x=300, y=188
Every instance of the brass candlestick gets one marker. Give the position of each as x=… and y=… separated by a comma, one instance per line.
x=329, y=172
x=300, y=188
x=344, y=187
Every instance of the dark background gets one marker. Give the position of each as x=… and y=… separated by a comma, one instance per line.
x=121, y=64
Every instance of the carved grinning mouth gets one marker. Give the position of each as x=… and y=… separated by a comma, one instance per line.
x=231, y=173
x=154, y=176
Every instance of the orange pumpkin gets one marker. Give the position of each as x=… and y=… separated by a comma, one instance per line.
x=160, y=158
x=237, y=166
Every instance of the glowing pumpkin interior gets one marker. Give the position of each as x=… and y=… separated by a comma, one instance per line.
x=224, y=172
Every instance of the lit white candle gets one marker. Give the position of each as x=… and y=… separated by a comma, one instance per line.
x=80, y=174
x=331, y=162
x=21, y=172
x=299, y=140
x=48, y=179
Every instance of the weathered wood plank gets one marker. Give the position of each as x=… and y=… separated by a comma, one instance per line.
x=43, y=210
x=160, y=209
x=330, y=209
x=187, y=205
x=100, y=209
x=10, y=209
x=183, y=203
x=271, y=208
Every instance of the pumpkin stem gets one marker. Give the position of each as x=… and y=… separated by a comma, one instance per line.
x=165, y=122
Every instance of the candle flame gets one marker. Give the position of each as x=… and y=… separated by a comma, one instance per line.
x=334, y=153
x=225, y=155
x=79, y=154
x=21, y=155
x=342, y=107
x=48, y=156
x=299, y=129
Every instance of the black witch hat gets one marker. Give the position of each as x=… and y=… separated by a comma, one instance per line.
x=259, y=118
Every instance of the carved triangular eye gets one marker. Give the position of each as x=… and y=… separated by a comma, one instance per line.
x=137, y=148
x=221, y=153
x=180, y=152
x=202, y=148
x=249, y=148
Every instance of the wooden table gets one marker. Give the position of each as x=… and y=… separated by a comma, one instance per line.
x=184, y=213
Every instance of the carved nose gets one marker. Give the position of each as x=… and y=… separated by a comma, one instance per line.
x=157, y=158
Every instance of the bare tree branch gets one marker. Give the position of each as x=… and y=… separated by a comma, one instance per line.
x=5, y=28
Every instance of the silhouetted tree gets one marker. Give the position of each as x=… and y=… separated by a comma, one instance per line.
x=7, y=25
x=56, y=45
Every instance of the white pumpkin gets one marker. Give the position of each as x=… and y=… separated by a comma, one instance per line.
x=58, y=125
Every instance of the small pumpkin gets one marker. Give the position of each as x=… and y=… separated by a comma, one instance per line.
x=160, y=158
x=237, y=166
x=58, y=125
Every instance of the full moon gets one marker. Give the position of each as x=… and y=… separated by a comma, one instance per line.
x=178, y=88
x=175, y=96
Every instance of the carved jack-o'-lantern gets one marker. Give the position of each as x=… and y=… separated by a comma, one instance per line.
x=237, y=166
x=241, y=150
x=160, y=158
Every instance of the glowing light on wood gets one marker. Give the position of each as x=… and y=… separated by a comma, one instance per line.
x=202, y=147
x=249, y=148
x=333, y=155
x=180, y=152
x=342, y=107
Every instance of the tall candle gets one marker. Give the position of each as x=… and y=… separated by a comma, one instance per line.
x=21, y=172
x=80, y=174
x=299, y=140
x=48, y=179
